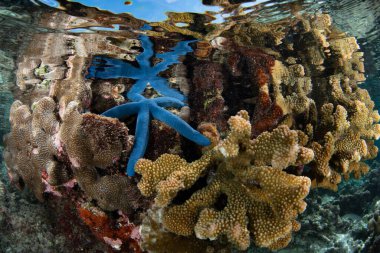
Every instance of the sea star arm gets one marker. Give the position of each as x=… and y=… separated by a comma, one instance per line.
x=170, y=58
x=179, y=125
x=141, y=138
x=143, y=58
x=168, y=102
x=138, y=88
x=162, y=86
x=105, y=68
x=123, y=111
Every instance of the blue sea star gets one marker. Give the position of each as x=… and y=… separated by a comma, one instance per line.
x=143, y=107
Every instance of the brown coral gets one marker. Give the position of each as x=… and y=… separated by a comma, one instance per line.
x=18, y=154
x=31, y=147
x=93, y=140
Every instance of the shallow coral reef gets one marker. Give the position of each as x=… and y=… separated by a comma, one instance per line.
x=277, y=108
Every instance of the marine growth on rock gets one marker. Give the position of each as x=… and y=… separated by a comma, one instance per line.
x=268, y=112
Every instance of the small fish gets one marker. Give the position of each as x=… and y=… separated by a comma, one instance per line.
x=128, y=2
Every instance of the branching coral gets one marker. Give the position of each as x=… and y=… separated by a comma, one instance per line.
x=262, y=201
x=310, y=122
x=338, y=116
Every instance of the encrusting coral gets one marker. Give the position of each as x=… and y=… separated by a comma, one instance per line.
x=262, y=201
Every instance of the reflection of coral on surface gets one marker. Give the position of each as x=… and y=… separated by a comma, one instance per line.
x=106, y=68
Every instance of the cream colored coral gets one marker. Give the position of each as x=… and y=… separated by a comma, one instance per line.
x=278, y=148
x=20, y=156
x=168, y=175
x=261, y=202
x=240, y=132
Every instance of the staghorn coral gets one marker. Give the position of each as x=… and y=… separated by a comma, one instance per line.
x=262, y=201
x=168, y=175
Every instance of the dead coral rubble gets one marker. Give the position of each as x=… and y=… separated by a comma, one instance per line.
x=262, y=200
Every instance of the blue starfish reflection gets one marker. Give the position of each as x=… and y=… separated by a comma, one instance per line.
x=146, y=73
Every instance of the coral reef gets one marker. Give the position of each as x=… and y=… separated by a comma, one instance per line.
x=147, y=108
x=262, y=200
x=313, y=88
x=301, y=121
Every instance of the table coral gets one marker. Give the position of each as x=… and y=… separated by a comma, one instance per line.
x=262, y=201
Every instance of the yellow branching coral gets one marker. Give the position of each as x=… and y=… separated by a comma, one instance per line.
x=345, y=145
x=260, y=202
x=279, y=149
x=240, y=134
x=168, y=175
